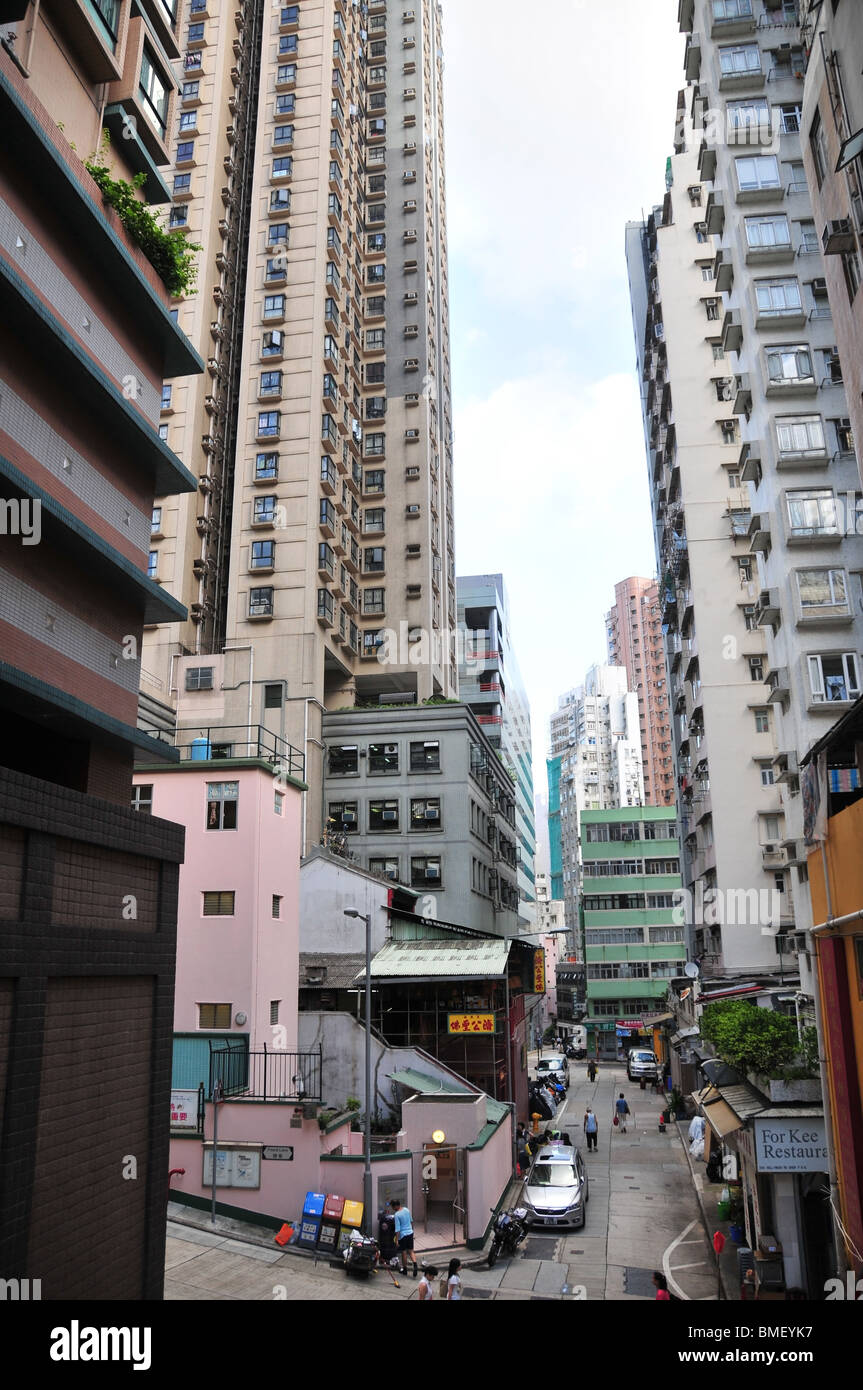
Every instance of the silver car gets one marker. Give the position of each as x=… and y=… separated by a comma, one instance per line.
x=642, y=1062
x=556, y=1191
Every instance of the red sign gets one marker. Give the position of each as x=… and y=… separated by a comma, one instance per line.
x=633, y=1024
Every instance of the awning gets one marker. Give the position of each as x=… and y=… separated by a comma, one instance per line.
x=653, y=1020
x=717, y=1112
x=678, y=1038
x=440, y=960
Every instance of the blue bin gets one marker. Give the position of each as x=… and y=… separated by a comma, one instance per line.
x=200, y=750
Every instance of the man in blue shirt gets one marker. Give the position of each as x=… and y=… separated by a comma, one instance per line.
x=622, y=1111
x=404, y=1236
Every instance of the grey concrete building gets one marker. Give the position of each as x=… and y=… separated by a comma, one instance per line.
x=490, y=682
x=419, y=796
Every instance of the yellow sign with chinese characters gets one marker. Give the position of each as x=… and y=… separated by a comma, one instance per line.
x=539, y=971
x=470, y=1023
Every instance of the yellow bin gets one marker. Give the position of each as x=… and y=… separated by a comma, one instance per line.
x=353, y=1214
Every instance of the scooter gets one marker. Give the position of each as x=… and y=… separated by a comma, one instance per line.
x=510, y=1229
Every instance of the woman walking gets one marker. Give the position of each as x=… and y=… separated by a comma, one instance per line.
x=453, y=1282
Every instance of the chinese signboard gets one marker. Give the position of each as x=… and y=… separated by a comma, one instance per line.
x=470, y=1023
x=184, y=1109
x=539, y=971
x=630, y=1025
x=791, y=1146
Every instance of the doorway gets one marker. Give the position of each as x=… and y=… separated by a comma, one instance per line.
x=443, y=1186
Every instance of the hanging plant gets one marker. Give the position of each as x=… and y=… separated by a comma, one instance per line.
x=170, y=253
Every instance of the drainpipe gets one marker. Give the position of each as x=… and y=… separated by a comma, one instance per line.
x=31, y=37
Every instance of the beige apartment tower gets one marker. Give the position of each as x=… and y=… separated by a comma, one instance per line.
x=308, y=163
x=634, y=634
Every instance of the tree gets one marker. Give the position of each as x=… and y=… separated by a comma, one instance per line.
x=749, y=1038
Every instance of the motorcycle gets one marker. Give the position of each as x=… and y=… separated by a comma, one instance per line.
x=510, y=1229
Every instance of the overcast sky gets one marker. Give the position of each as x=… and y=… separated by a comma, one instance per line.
x=559, y=119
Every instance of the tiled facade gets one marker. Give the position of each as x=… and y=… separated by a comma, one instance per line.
x=634, y=635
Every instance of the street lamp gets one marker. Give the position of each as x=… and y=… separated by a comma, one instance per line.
x=367, y=1140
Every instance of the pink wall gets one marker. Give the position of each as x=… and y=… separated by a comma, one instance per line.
x=251, y=958
x=489, y=1172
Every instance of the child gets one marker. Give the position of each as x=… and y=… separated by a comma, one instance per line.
x=424, y=1288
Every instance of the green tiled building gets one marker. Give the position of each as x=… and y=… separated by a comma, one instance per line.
x=630, y=869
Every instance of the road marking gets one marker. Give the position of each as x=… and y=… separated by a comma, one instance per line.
x=666, y=1261
x=692, y=1265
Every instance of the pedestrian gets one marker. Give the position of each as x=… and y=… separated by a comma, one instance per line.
x=405, y=1236
x=591, y=1070
x=425, y=1289
x=453, y=1282
x=590, y=1129
x=622, y=1110
x=662, y=1294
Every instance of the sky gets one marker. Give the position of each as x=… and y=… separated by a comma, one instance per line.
x=559, y=118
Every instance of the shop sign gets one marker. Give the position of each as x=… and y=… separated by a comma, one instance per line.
x=184, y=1109
x=539, y=971
x=630, y=1025
x=470, y=1023
x=791, y=1146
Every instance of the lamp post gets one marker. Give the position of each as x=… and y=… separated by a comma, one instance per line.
x=367, y=1140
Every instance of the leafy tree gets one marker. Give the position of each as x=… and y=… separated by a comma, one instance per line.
x=749, y=1038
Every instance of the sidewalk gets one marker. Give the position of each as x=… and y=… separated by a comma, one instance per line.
x=707, y=1194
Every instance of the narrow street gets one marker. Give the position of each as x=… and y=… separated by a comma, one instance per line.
x=642, y=1215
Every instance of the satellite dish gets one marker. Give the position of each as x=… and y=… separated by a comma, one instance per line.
x=691, y=969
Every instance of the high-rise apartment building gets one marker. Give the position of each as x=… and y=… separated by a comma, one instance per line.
x=595, y=765
x=832, y=143
x=490, y=682
x=747, y=430
x=89, y=889
x=320, y=544
x=634, y=634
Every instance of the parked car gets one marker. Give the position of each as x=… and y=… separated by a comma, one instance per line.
x=556, y=1191
x=558, y=1067
x=641, y=1062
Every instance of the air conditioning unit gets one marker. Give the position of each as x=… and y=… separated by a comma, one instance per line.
x=391, y=748
x=412, y=509
x=349, y=817
x=432, y=813
x=658, y=332
x=432, y=871
x=389, y=815
x=819, y=288
x=412, y=434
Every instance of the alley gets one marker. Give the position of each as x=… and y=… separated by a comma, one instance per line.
x=642, y=1215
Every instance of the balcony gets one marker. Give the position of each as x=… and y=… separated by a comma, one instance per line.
x=268, y=1077
x=774, y=856
x=759, y=534
x=731, y=24
x=223, y=743
x=777, y=317
x=714, y=213
x=743, y=80
x=769, y=253
x=706, y=162
x=742, y=395
x=692, y=58
x=768, y=611
x=787, y=770
x=838, y=238
x=791, y=386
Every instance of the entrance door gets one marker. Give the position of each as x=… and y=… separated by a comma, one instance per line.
x=444, y=1189
x=818, y=1243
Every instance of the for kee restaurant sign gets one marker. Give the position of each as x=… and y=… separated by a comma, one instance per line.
x=791, y=1146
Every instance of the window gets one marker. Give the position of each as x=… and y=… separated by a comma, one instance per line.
x=185, y=152
x=270, y=384
x=344, y=759
x=283, y=167
x=823, y=593
x=766, y=771
x=276, y=908
x=218, y=904
x=812, y=512
x=345, y=815
x=778, y=297
x=746, y=120
x=740, y=59
x=756, y=173
x=374, y=601
x=214, y=1015
x=375, y=445
x=283, y=135
x=189, y=121
x=278, y=234
x=732, y=9
x=272, y=697
x=266, y=468
x=222, y=798
x=789, y=365
x=375, y=373
x=665, y=935
x=373, y=480
x=272, y=343
x=383, y=815
x=374, y=559
x=142, y=799
x=191, y=90
x=800, y=434
x=766, y=232
x=269, y=424
x=375, y=306
x=196, y=33
x=152, y=564
x=182, y=183
x=425, y=870
x=852, y=270
x=762, y=721
x=278, y=803
x=154, y=96
x=834, y=677
x=167, y=392
x=199, y=678
x=373, y=519
x=756, y=668
x=274, y=306
x=383, y=757
x=425, y=756
x=280, y=200
x=818, y=147
x=386, y=868
x=261, y=603
x=374, y=340
x=263, y=555
x=326, y=558
x=425, y=813
x=288, y=46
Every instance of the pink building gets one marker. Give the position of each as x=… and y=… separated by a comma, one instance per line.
x=634, y=634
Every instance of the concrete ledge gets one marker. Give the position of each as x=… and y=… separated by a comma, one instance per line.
x=728, y=1259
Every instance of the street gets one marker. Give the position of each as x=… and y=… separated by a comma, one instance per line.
x=642, y=1215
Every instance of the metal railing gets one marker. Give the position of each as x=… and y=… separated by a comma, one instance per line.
x=218, y=742
x=265, y=1076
